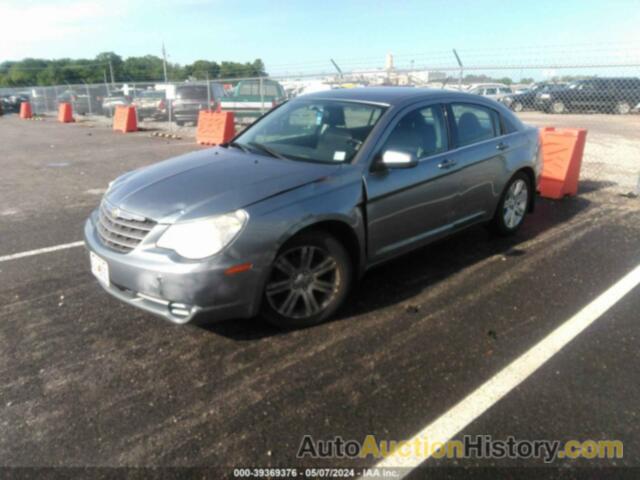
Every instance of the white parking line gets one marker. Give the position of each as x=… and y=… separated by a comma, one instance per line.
x=488, y=394
x=39, y=251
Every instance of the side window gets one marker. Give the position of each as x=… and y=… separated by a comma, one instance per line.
x=474, y=123
x=421, y=132
x=490, y=91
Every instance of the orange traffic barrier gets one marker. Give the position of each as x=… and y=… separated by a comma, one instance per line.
x=215, y=128
x=65, y=113
x=125, y=120
x=562, y=150
x=25, y=110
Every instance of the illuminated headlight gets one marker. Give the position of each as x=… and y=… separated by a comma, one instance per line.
x=202, y=238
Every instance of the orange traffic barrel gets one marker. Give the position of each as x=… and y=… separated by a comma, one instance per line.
x=562, y=152
x=65, y=113
x=125, y=119
x=215, y=128
x=25, y=110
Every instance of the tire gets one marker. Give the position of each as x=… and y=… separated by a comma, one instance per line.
x=289, y=299
x=179, y=123
x=623, y=108
x=513, y=202
x=558, y=107
x=516, y=106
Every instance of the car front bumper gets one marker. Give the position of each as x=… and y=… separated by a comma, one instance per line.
x=176, y=290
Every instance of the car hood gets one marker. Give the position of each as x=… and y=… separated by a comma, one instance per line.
x=209, y=182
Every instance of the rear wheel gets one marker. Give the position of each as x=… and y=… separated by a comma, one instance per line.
x=513, y=205
x=623, y=108
x=558, y=107
x=308, y=282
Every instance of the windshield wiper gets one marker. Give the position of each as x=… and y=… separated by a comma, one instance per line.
x=269, y=151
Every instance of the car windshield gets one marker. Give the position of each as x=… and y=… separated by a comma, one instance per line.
x=315, y=130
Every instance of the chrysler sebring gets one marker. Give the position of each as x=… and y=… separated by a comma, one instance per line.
x=286, y=217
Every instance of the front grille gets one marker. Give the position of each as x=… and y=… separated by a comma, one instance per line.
x=121, y=231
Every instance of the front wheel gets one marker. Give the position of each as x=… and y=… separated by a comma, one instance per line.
x=513, y=205
x=309, y=280
x=516, y=106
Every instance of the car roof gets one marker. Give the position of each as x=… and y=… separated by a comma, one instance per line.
x=388, y=95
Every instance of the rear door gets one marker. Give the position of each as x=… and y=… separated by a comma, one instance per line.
x=481, y=149
x=408, y=206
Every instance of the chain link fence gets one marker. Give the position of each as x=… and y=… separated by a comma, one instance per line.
x=604, y=98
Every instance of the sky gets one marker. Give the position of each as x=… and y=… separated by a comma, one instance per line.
x=301, y=36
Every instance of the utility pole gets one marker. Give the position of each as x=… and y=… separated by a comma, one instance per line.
x=111, y=71
x=461, y=69
x=164, y=63
x=340, y=75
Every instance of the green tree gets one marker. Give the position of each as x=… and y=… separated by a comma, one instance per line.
x=147, y=68
x=200, y=69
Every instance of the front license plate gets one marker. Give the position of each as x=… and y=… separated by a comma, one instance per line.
x=99, y=268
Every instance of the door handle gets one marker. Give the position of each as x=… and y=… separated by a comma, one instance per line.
x=502, y=146
x=447, y=163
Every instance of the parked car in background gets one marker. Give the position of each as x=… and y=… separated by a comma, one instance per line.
x=252, y=98
x=151, y=104
x=11, y=103
x=190, y=99
x=119, y=97
x=607, y=95
x=81, y=103
x=490, y=90
x=286, y=217
x=526, y=99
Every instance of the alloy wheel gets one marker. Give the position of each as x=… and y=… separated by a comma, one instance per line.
x=558, y=107
x=303, y=282
x=515, y=204
x=623, y=108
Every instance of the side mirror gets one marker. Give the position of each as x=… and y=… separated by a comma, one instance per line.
x=398, y=159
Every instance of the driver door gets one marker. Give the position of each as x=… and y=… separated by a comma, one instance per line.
x=410, y=206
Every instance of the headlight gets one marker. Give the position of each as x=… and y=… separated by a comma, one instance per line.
x=545, y=96
x=202, y=238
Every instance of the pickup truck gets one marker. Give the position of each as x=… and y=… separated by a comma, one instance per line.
x=252, y=98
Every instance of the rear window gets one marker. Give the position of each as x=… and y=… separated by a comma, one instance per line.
x=198, y=92
x=474, y=123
